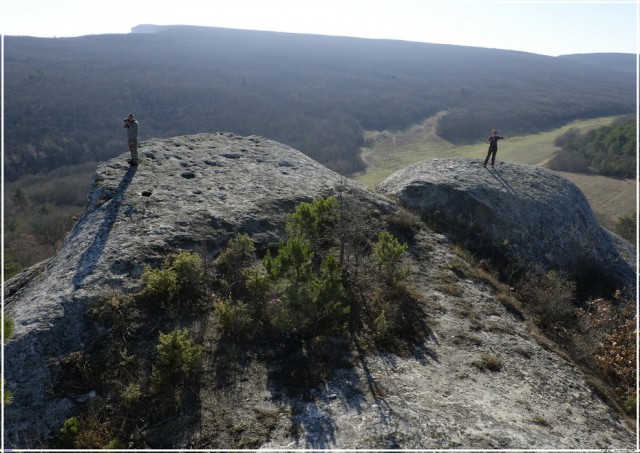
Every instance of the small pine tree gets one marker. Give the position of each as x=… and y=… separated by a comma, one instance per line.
x=177, y=356
x=180, y=278
x=387, y=257
x=161, y=284
x=304, y=301
x=316, y=221
x=238, y=254
x=331, y=308
x=188, y=268
x=291, y=275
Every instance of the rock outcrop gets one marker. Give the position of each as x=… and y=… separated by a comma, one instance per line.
x=529, y=211
x=190, y=192
x=196, y=192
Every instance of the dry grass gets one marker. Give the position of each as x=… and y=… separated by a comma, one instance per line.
x=448, y=284
x=488, y=362
x=539, y=420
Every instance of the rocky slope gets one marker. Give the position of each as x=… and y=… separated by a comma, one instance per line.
x=195, y=192
x=529, y=211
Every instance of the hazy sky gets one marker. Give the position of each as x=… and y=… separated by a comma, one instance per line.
x=552, y=27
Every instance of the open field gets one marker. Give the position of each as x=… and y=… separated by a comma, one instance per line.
x=609, y=198
x=389, y=151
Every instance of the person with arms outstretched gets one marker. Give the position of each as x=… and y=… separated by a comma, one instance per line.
x=493, y=147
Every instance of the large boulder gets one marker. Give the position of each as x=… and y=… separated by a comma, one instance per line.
x=189, y=192
x=522, y=210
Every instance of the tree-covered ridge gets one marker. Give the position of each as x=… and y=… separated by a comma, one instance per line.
x=611, y=150
x=65, y=98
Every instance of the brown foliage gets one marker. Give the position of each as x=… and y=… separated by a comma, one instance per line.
x=614, y=327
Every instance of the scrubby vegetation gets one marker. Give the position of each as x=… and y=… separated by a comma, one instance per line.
x=611, y=329
x=609, y=150
x=597, y=330
x=317, y=296
x=627, y=227
x=8, y=327
x=334, y=288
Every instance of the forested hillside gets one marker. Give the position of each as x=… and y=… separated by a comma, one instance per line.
x=610, y=150
x=615, y=61
x=65, y=98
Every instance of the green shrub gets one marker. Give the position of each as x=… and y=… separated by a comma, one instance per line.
x=234, y=318
x=177, y=355
x=131, y=395
x=630, y=405
x=387, y=257
x=115, y=444
x=315, y=221
x=290, y=273
x=301, y=300
x=161, y=284
x=238, y=254
x=188, y=269
x=179, y=279
x=292, y=263
x=8, y=395
x=69, y=432
x=329, y=296
x=8, y=333
x=382, y=327
x=257, y=284
x=9, y=326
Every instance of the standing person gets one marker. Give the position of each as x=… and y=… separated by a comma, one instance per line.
x=493, y=147
x=132, y=136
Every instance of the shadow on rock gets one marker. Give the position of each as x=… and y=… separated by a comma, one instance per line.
x=90, y=257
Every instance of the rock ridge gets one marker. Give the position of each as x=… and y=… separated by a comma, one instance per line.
x=531, y=211
x=195, y=192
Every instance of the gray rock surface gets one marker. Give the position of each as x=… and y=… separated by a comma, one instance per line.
x=195, y=192
x=189, y=192
x=540, y=216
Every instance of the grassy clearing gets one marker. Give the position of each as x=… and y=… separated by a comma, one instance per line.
x=609, y=198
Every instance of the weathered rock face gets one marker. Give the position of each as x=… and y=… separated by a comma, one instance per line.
x=536, y=214
x=190, y=192
x=195, y=192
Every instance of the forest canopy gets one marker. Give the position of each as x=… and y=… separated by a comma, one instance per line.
x=610, y=150
x=65, y=97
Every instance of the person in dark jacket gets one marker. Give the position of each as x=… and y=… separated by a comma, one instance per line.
x=493, y=147
x=132, y=136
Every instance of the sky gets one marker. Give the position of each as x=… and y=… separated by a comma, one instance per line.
x=548, y=27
